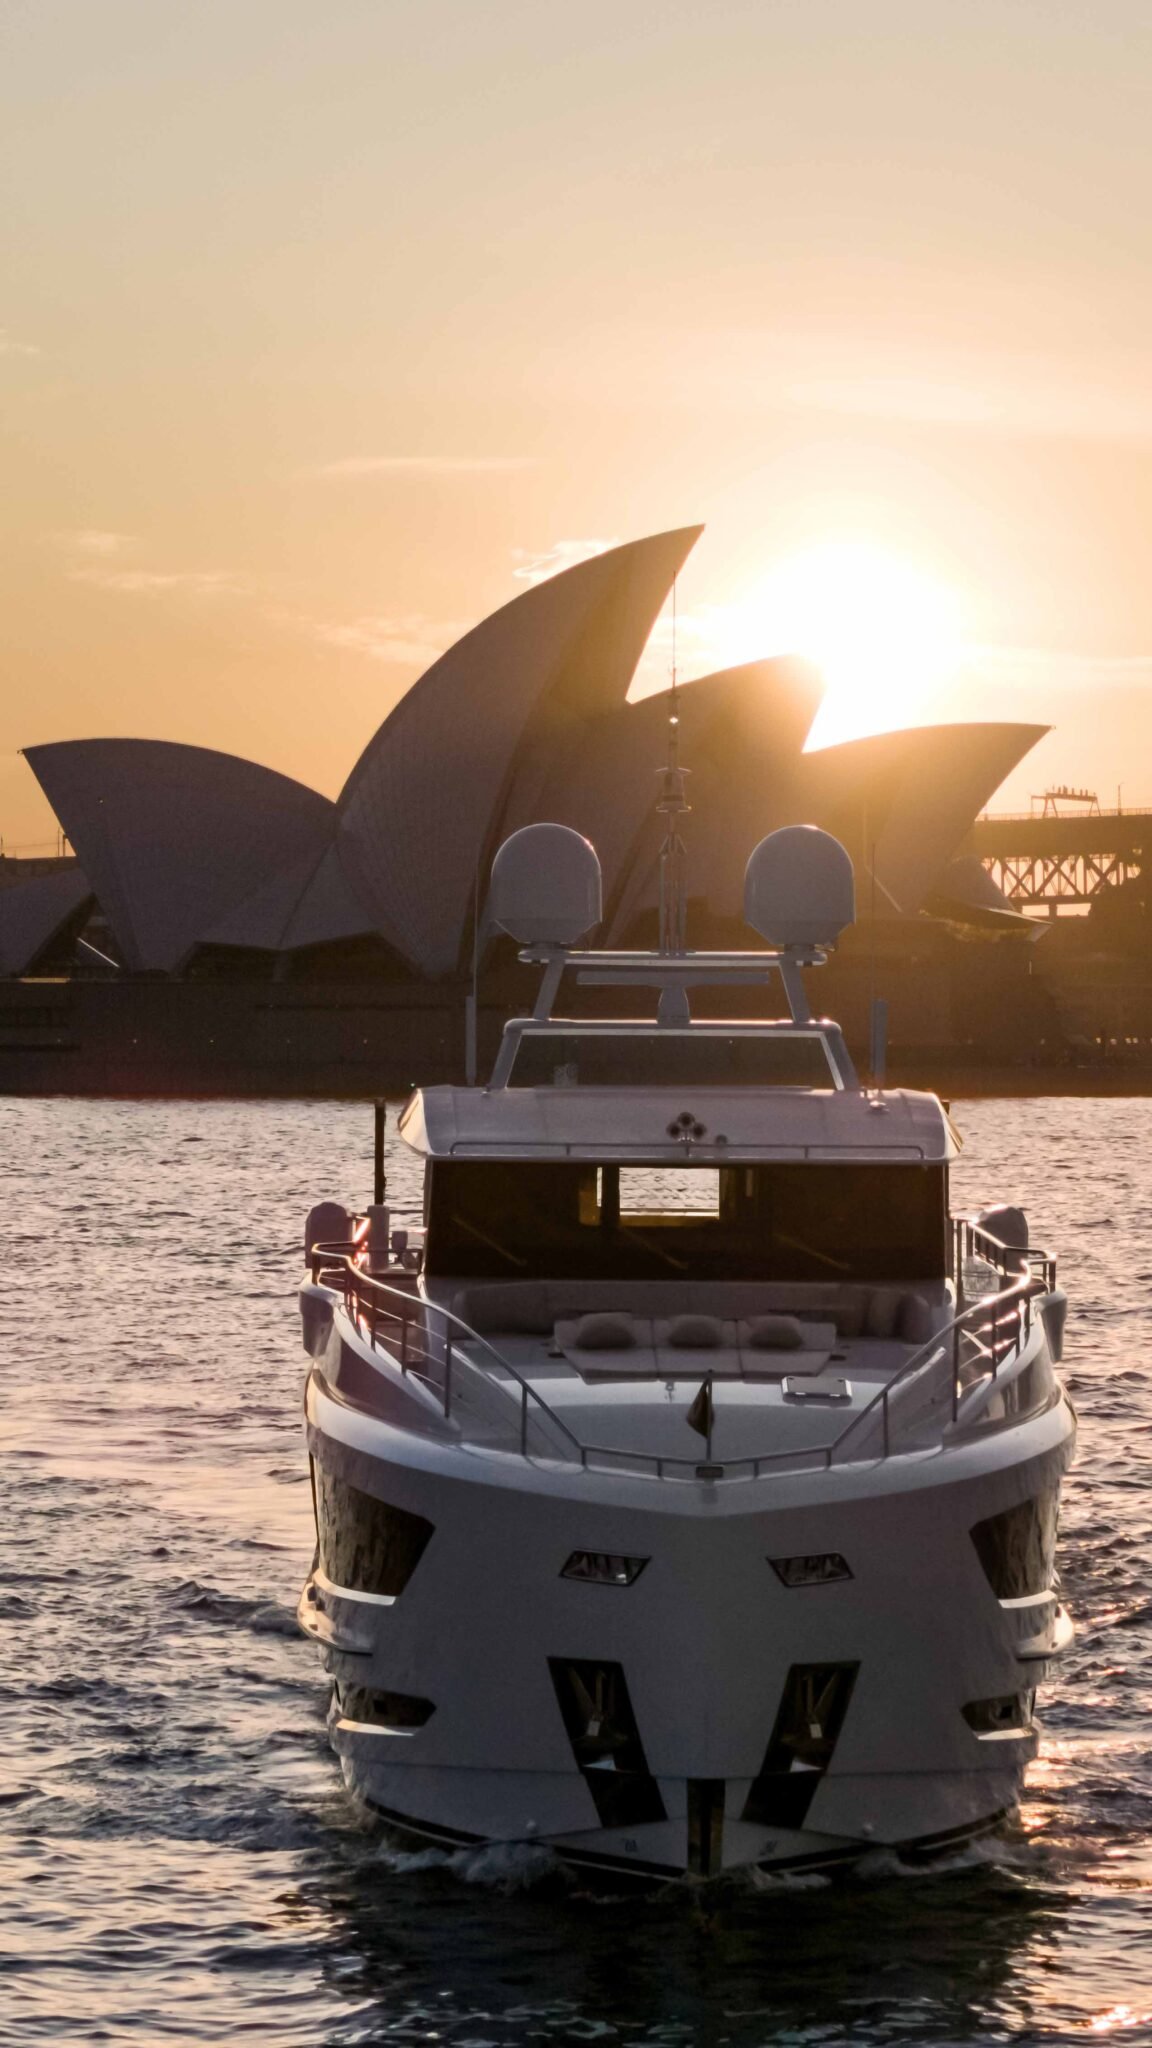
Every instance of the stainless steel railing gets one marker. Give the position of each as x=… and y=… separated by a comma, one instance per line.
x=975, y=1347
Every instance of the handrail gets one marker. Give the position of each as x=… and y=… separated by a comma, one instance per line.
x=366, y=1297
x=356, y=1279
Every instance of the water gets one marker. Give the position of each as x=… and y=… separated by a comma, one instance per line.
x=180, y=1862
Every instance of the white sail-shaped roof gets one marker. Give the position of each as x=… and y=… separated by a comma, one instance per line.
x=465, y=755
x=309, y=903
x=173, y=837
x=905, y=800
x=33, y=910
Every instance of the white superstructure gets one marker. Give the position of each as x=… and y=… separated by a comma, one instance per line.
x=687, y=1498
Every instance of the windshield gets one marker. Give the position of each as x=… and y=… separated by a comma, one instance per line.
x=669, y=1059
x=509, y=1218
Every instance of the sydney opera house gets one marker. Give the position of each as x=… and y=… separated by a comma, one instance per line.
x=222, y=927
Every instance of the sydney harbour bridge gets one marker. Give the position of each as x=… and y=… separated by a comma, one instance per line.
x=1062, y=854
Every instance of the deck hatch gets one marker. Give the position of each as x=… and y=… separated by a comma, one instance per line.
x=601, y=1727
x=366, y=1546
x=1017, y=1547
x=807, y=1729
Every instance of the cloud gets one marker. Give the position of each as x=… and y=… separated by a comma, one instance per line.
x=96, y=548
x=94, y=540
x=409, y=640
x=159, y=582
x=10, y=346
x=536, y=566
x=420, y=465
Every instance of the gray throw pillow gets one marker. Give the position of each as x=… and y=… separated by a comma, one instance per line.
x=882, y=1311
x=607, y=1330
x=695, y=1333
x=915, y=1322
x=775, y=1333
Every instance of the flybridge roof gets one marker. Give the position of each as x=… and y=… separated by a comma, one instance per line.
x=723, y=1124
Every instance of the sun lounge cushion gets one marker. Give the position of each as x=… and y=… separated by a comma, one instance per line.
x=775, y=1333
x=605, y=1330
x=516, y=1307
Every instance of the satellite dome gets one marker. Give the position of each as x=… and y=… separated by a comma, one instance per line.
x=798, y=888
x=546, y=886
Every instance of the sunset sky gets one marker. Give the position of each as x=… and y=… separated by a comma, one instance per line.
x=323, y=327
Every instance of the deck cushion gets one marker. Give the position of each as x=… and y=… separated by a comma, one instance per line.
x=775, y=1333
x=882, y=1312
x=517, y=1307
x=915, y=1323
x=606, y=1330
x=695, y=1333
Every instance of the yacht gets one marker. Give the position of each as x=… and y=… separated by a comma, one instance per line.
x=686, y=1486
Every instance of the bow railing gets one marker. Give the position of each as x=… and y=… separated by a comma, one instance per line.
x=972, y=1351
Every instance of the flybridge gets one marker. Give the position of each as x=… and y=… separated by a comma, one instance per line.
x=798, y=894
x=667, y=1088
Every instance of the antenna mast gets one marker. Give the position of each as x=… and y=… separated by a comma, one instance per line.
x=672, y=805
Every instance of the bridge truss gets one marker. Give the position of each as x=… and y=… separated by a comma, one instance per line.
x=1053, y=863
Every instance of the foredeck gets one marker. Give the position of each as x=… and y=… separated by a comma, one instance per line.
x=866, y=1378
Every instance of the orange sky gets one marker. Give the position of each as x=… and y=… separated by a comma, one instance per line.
x=320, y=326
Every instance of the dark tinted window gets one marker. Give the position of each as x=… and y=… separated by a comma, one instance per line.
x=1017, y=1547
x=992, y=1717
x=514, y=1218
x=365, y=1544
x=668, y=1059
x=382, y=1709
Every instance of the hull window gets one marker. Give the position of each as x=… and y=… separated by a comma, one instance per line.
x=593, y=1698
x=382, y=1709
x=365, y=1545
x=824, y=1568
x=1011, y=1715
x=600, y=1568
x=1017, y=1547
x=807, y=1729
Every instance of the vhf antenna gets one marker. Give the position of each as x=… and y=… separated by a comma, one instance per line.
x=672, y=805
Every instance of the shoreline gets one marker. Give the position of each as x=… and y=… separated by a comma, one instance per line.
x=951, y=1083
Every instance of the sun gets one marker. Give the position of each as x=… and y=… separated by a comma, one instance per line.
x=884, y=634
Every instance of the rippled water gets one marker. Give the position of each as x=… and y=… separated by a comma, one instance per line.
x=179, y=1860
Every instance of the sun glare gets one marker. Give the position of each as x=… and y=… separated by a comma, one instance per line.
x=884, y=634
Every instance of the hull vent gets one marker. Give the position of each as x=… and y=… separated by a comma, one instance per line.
x=807, y=1729
x=601, y=1726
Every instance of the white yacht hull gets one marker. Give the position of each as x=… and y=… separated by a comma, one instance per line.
x=491, y=1639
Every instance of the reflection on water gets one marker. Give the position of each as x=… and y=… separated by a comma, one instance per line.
x=180, y=1860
